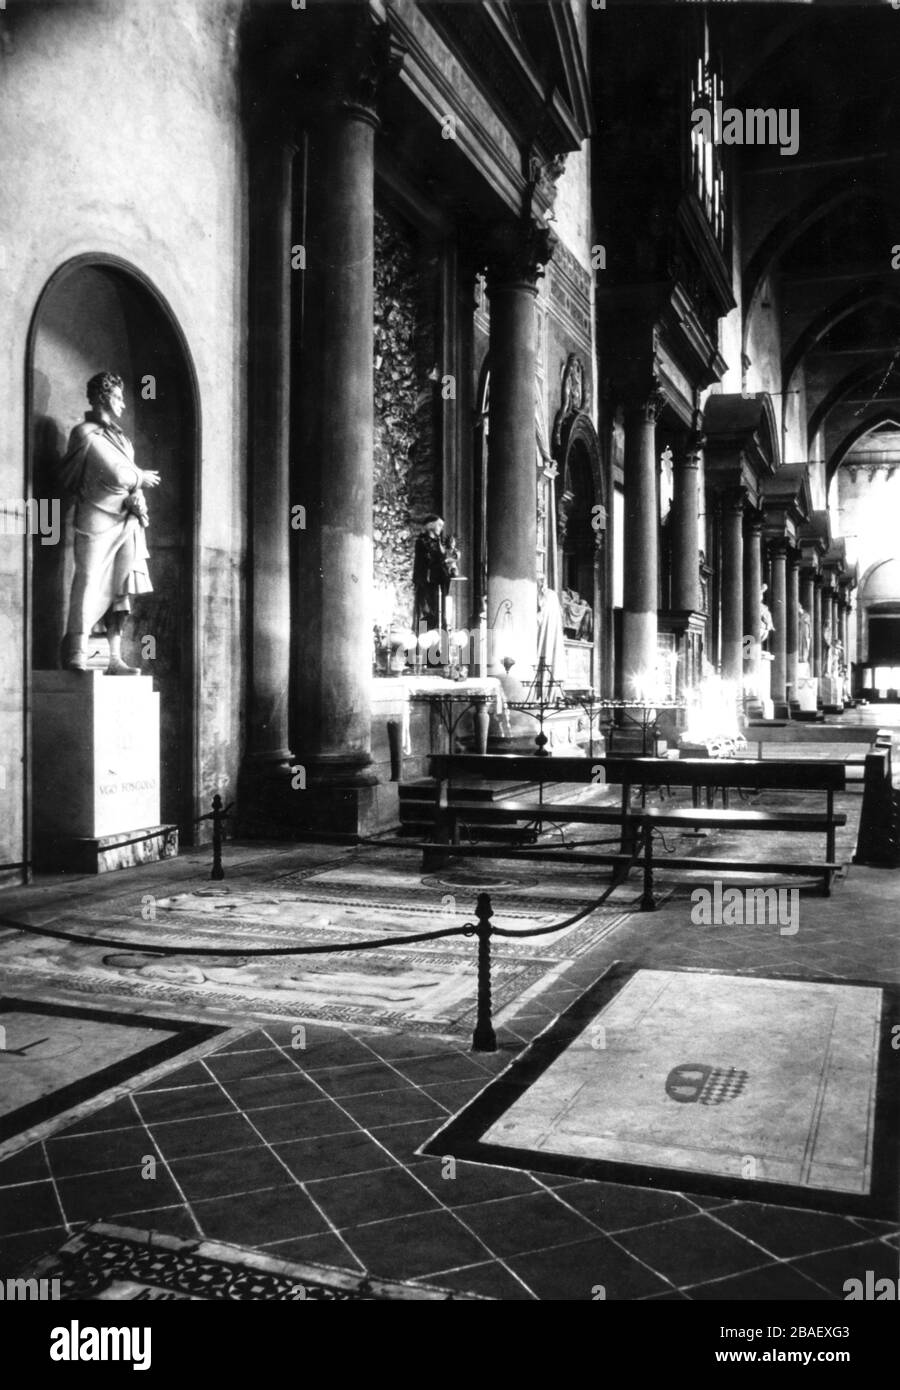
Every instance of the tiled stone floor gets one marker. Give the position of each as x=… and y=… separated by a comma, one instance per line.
x=310, y=1154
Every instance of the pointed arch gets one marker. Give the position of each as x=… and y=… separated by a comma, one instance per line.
x=818, y=205
x=858, y=377
x=889, y=415
x=830, y=316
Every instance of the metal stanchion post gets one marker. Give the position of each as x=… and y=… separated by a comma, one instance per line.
x=484, y=1038
x=217, y=871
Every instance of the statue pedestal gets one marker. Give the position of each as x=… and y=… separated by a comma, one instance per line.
x=807, y=692
x=832, y=701
x=765, y=685
x=96, y=773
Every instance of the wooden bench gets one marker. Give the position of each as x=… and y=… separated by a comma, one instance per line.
x=450, y=813
x=750, y=775
x=637, y=824
x=823, y=738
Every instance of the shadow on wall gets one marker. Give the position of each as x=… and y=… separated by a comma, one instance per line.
x=52, y=577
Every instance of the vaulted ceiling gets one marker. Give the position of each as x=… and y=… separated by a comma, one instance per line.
x=820, y=227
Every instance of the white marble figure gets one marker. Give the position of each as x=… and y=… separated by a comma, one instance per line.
x=765, y=617
x=110, y=519
x=804, y=643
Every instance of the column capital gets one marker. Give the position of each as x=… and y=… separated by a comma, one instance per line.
x=779, y=545
x=517, y=253
x=695, y=442
x=647, y=403
x=692, y=454
x=753, y=519
x=733, y=499
x=368, y=55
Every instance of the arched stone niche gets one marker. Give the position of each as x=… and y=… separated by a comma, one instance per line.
x=583, y=521
x=878, y=608
x=97, y=313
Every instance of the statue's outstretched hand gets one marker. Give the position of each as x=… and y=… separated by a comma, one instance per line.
x=149, y=478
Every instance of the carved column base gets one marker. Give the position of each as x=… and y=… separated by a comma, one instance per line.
x=265, y=796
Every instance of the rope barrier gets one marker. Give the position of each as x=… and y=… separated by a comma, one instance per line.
x=484, y=1037
x=163, y=951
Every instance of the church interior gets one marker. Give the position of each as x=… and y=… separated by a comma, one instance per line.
x=450, y=650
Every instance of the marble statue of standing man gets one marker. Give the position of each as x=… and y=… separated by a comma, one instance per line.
x=110, y=518
x=804, y=626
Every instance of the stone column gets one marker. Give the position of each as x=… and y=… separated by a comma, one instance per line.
x=732, y=503
x=792, y=624
x=752, y=601
x=267, y=760
x=817, y=621
x=639, y=617
x=778, y=553
x=333, y=656
x=686, y=537
x=516, y=258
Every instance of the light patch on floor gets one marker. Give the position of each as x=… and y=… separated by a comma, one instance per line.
x=43, y=1052
x=770, y=1080
x=57, y=1058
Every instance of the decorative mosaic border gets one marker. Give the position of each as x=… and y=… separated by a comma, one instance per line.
x=167, y=1267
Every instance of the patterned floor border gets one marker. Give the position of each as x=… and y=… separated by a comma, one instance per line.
x=120, y=1263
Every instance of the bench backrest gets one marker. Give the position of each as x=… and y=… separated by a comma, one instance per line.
x=795, y=731
x=514, y=767
x=793, y=775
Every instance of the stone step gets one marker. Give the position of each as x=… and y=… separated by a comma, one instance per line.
x=417, y=799
x=413, y=793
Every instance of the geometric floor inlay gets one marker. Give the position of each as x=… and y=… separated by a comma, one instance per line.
x=693, y=1079
x=117, y=1264
x=53, y=1057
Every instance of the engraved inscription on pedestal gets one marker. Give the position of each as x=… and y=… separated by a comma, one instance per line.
x=96, y=754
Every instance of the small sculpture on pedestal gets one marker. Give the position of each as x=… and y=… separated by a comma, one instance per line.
x=827, y=654
x=578, y=616
x=110, y=519
x=804, y=643
x=435, y=564
x=765, y=618
x=838, y=666
x=551, y=648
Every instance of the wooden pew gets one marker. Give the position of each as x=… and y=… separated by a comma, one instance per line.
x=636, y=824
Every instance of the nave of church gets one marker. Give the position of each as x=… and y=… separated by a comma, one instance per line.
x=450, y=650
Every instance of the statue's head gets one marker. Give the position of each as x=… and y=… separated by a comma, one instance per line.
x=433, y=523
x=105, y=391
